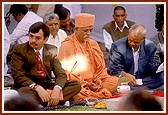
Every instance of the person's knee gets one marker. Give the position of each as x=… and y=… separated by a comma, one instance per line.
x=26, y=91
x=23, y=89
x=77, y=85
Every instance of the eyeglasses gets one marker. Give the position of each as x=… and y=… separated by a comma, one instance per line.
x=53, y=24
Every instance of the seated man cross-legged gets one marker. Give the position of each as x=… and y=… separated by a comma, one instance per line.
x=83, y=60
x=33, y=76
x=136, y=57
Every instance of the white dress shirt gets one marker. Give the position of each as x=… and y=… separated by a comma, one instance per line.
x=56, y=41
x=20, y=33
x=41, y=53
x=136, y=58
x=107, y=37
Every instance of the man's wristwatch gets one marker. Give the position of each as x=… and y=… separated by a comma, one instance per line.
x=58, y=87
x=33, y=85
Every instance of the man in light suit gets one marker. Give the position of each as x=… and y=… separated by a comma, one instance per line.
x=24, y=69
x=136, y=56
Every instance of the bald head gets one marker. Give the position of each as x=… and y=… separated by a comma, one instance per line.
x=136, y=36
x=138, y=30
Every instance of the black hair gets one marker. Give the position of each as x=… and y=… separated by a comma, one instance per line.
x=40, y=25
x=119, y=8
x=18, y=8
x=21, y=103
x=159, y=17
x=142, y=100
x=62, y=12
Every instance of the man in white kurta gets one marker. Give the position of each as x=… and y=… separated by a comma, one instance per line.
x=25, y=19
x=56, y=35
x=61, y=35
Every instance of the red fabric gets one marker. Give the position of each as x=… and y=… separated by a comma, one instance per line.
x=40, y=70
x=159, y=93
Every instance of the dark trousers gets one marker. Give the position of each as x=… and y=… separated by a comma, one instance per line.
x=71, y=88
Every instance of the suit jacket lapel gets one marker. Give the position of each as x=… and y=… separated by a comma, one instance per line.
x=46, y=59
x=142, y=60
x=32, y=60
x=130, y=59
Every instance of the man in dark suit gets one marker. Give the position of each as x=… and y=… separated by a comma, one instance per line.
x=136, y=56
x=43, y=88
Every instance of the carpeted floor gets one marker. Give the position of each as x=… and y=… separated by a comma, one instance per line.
x=80, y=108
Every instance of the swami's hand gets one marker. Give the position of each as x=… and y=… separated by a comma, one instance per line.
x=43, y=94
x=97, y=86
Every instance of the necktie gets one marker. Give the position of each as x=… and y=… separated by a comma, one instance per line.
x=40, y=69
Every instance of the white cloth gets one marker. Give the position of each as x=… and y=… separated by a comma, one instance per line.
x=6, y=42
x=44, y=9
x=73, y=8
x=136, y=58
x=56, y=41
x=121, y=30
x=160, y=68
x=6, y=47
x=20, y=33
x=9, y=93
x=107, y=37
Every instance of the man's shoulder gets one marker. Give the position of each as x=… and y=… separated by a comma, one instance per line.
x=31, y=17
x=109, y=24
x=22, y=46
x=50, y=49
x=61, y=32
x=30, y=13
x=120, y=41
x=150, y=43
x=49, y=46
x=69, y=39
x=120, y=45
x=148, y=46
x=92, y=41
x=130, y=23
